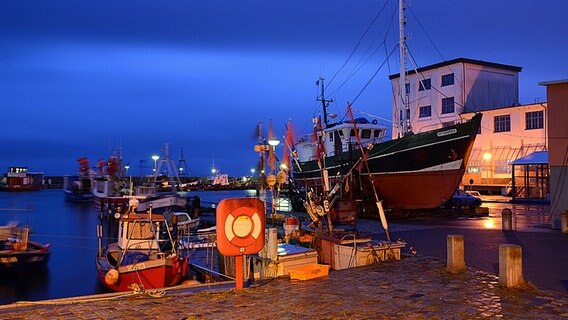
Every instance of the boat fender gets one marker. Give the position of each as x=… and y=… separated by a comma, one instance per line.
x=111, y=277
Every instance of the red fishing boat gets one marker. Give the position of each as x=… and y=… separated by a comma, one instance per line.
x=144, y=257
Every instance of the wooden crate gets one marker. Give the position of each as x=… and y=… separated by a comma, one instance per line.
x=347, y=253
x=308, y=272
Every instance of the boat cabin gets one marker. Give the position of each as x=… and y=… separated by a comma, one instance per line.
x=341, y=137
x=20, y=179
x=141, y=232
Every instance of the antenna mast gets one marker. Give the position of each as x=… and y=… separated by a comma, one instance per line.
x=404, y=112
x=324, y=102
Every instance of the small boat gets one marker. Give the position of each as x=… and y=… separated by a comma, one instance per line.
x=144, y=257
x=79, y=188
x=18, y=253
x=20, y=179
x=183, y=222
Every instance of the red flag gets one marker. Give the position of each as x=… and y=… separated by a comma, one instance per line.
x=350, y=115
x=318, y=134
x=289, y=141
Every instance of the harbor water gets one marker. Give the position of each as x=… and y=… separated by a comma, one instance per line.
x=70, y=229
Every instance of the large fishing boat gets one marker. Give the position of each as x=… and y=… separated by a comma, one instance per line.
x=352, y=160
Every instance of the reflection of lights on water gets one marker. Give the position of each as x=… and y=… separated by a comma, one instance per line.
x=489, y=224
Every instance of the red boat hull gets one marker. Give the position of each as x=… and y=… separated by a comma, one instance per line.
x=151, y=274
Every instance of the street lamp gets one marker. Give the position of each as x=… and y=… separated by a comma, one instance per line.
x=252, y=172
x=155, y=157
x=126, y=167
x=273, y=142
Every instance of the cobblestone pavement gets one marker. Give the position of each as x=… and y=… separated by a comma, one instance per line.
x=415, y=287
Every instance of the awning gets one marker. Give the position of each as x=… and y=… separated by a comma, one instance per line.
x=539, y=157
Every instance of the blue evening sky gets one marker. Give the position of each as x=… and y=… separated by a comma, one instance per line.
x=86, y=77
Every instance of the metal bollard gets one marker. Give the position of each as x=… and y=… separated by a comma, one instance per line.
x=564, y=221
x=510, y=266
x=455, y=253
x=507, y=219
x=273, y=244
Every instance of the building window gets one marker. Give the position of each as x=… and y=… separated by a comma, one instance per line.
x=502, y=123
x=425, y=84
x=365, y=134
x=448, y=105
x=534, y=120
x=473, y=169
x=447, y=79
x=425, y=111
x=331, y=136
x=407, y=88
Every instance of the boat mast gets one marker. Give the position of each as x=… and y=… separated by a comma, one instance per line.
x=324, y=101
x=404, y=110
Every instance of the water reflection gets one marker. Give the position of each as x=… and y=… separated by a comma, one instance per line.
x=30, y=284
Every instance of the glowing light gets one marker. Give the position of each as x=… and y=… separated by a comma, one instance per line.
x=489, y=224
x=487, y=156
x=155, y=157
x=274, y=142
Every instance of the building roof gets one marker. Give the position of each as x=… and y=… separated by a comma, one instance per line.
x=543, y=104
x=539, y=157
x=460, y=60
x=553, y=82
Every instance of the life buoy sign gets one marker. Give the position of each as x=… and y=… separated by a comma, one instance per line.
x=240, y=226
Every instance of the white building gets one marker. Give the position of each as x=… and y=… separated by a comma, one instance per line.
x=447, y=92
x=506, y=135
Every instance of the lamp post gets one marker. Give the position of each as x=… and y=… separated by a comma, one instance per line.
x=155, y=157
x=126, y=167
x=271, y=179
x=273, y=143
